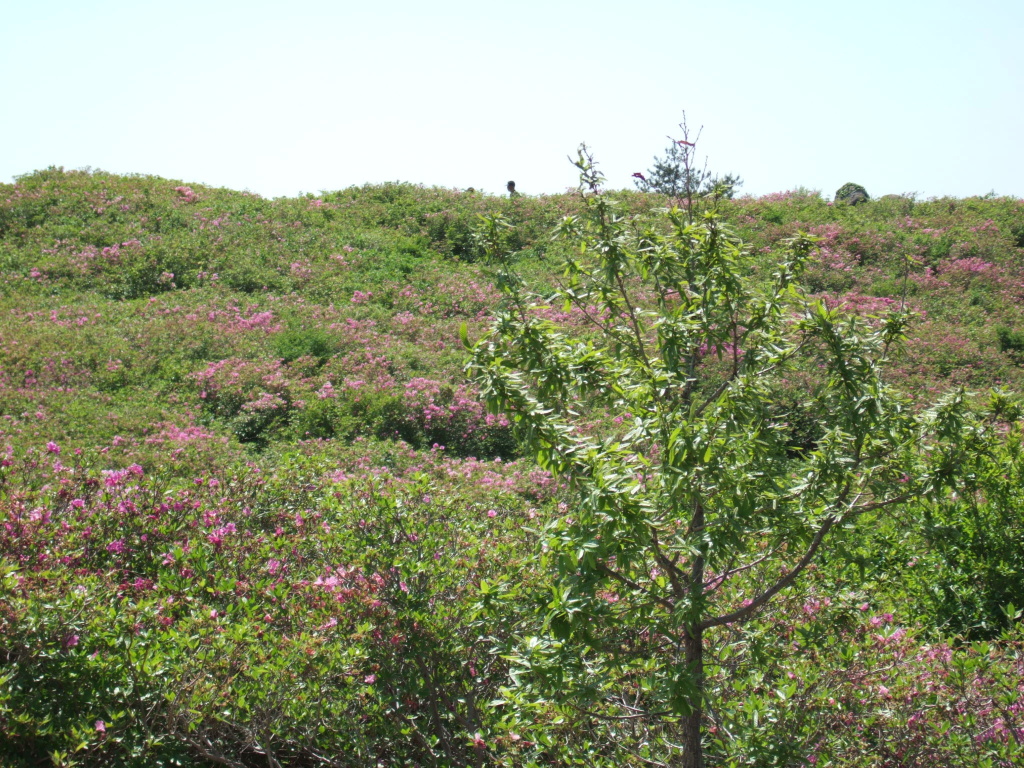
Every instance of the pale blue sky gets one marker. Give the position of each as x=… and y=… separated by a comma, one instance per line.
x=899, y=96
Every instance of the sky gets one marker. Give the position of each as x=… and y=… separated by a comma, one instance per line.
x=902, y=96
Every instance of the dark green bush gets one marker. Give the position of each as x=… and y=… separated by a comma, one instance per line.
x=1010, y=341
x=252, y=278
x=302, y=342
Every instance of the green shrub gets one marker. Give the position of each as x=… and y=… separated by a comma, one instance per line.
x=303, y=342
x=968, y=565
x=1010, y=341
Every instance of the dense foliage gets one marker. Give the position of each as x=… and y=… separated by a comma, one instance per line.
x=253, y=513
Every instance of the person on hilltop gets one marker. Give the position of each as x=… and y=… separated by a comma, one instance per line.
x=511, y=187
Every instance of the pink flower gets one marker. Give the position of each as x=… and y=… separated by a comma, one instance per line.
x=71, y=641
x=491, y=513
x=370, y=679
x=100, y=726
x=52, y=447
x=187, y=194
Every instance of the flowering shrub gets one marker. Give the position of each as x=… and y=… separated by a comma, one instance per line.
x=344, y=604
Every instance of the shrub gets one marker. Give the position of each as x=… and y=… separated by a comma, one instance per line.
x=303, y=342
x=1010, y=341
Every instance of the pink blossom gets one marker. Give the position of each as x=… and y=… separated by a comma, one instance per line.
x=187, y=194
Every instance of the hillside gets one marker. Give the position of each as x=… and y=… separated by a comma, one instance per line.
x=255, y=514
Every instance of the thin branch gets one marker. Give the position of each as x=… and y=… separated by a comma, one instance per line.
x=606, y=571
x=730, y=573
x=697, y=569
x=670, y=567
x=640, y=715
x=621, y=338
x=747, y=611
x=206, y=751
x=633, y=321
x=744, y=613
x=853, y=511
x=717, y=581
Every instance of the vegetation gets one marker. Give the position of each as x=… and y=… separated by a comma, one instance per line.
x=252, y=511
x=677, y=175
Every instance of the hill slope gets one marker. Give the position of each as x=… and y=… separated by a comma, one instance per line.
x=253, y=513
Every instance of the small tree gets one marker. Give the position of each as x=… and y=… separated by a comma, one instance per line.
x=699, y=509
x=677, y=175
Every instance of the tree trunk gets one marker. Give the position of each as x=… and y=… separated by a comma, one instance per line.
x=693, y=750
